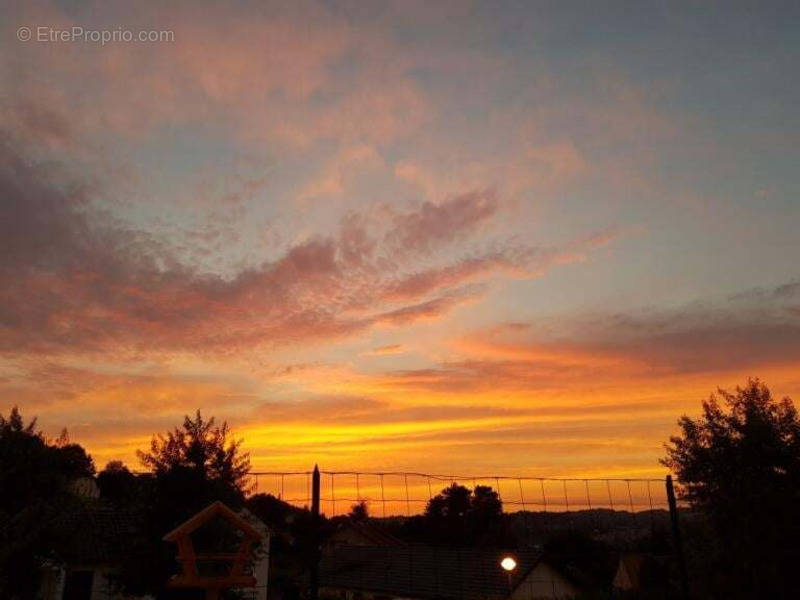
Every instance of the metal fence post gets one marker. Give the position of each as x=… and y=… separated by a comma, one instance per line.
x=676, y=537
x=316, y=537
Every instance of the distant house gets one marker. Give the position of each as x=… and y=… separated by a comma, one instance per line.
x=89, y=554
x=637, y=572
x=360, y=572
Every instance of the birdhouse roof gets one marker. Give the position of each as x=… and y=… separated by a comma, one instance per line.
x=205, y=515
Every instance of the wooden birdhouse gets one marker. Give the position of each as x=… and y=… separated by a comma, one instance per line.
x=228, y=567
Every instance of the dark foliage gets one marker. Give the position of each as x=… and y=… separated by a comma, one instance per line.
x=34, y=479
x=739, y=463
x=191, y=467
x=118, y=485
x=359, y=511
x=201, y=447
x=451, y=503
x=460, y=516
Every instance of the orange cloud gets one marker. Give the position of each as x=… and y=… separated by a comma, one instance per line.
x=387, y=350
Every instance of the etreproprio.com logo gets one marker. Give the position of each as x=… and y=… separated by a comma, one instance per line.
x=46, y=34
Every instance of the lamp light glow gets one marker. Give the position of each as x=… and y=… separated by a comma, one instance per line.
x=508, y=563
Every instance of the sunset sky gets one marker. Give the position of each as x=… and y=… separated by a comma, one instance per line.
x=517, y=237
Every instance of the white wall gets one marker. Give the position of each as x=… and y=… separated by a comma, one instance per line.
x=544, y=583
x=260, y=572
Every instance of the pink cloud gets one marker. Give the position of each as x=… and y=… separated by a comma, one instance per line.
x=427, y=310
x=78, y=281
x=445, y=221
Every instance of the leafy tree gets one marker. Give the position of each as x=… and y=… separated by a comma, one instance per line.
x=201, y=447
x=31, y=468
x=117, y=484
x=451, y=503
x=739, y=463
x=484, y=517
x=458, y=515
x=34, y=479
x=485, y=503
x=191, y=467
x=359, y=511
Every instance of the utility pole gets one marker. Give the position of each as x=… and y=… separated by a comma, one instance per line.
x=315, y=535
x=676, y=538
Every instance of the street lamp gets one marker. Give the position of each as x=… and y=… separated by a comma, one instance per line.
x=509, y=564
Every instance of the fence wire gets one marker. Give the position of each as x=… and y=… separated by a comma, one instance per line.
x=398, y=493
x=625, y=516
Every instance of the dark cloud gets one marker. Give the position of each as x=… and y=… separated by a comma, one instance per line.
x=751, y=329
x=785, y=291
x=610, y=348
x=444, y=222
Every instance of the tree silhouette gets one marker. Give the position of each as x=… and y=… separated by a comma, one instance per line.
x=117, y=484
x=740, y=464
x=458, y=515
x=202, y=447
x=485, y=503
x=191, y=466
x=451, y=503
x=34, y=479
x=359, y=511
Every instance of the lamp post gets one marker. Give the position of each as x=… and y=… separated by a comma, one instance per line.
x=509, y=564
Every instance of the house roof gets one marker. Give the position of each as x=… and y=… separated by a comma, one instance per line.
x=368, y=532
x=260, y=526
x=424, y=571
x=632, y=564
x=641, y=570
x=94, y=533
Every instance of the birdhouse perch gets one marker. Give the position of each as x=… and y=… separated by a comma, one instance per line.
x=190, y=576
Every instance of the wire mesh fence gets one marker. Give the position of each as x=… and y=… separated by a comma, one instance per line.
x=562, y=534
x=408, y=493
